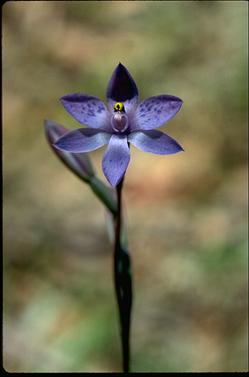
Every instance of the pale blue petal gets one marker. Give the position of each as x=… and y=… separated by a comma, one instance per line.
x=154, y=142
x=87, y=110
x=82, y=140
x=116, y=159
x=156, y=111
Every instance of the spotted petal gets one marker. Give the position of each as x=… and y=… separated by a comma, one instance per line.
x=87, y=110
x=116, y=159
x=122, y=88
x=154, y=142
x=155, y=111
x=82, y=140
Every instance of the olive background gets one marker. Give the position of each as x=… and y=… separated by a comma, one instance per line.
x=186, y=213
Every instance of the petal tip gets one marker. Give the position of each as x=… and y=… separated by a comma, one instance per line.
x=73, y=97
x=113, y=181
x=48, y=123
x=179, y=147
x=51, y=128
x=55, y=145
x=122, y=86
x=48, y=127
x=65, y=98
x=121, y=66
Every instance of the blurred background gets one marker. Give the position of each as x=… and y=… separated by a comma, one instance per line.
x=186, y=213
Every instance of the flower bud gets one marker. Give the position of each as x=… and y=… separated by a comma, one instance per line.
x=79, y=163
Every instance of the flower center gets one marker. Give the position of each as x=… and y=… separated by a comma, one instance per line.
x=119, y=106
x=119, y=120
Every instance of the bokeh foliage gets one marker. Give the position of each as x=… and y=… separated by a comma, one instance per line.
x=186, y=214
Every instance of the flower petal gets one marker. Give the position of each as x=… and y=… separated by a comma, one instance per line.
x=87, y=110
x=155, y=111
x=80, y=164
x=154, y=142
x=116, y=159
x=121, y=87
x=82, y=140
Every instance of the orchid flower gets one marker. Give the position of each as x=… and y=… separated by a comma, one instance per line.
x=123, y=121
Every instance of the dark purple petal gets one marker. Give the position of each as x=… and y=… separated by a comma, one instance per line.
x=80, y=164
x=154, y=142
x=87, y=110
x=121, y=87
x=155, y=111
x=116, y=159
x=82, y=140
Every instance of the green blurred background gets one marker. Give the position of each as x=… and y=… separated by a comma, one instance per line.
x=186, y=213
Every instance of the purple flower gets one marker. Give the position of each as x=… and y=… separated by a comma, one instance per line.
x=124, y=121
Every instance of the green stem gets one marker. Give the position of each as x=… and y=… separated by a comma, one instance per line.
x=122, y=279
x=104, y=193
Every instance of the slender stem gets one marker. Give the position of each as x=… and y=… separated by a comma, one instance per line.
x=122, y=280
x=119, y=215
